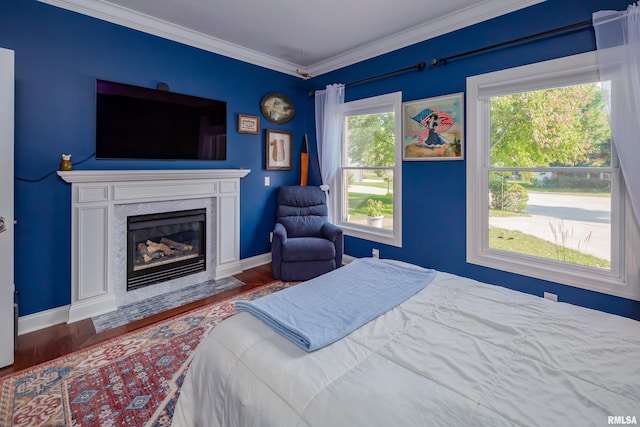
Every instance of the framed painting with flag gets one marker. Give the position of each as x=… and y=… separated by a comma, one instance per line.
x=433, y=128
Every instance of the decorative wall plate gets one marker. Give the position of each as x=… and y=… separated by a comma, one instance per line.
x=277, y=108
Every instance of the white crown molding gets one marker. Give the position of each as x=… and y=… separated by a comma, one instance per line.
x=128, y=18
x=158, y=27
x=461, y=19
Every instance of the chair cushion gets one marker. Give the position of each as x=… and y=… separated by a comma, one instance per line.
x=302, y=210
x=308, y=249
x=303, y=225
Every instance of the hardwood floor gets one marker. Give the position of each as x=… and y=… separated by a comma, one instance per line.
x=49, y=343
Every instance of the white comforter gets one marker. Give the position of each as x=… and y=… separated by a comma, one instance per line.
x=459, y=353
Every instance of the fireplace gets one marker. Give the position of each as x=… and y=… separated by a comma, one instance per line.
x=165, y=246
x=103, y=200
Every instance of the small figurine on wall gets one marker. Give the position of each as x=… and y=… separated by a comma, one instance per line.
x=65, y=164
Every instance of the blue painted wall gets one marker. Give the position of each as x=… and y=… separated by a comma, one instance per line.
x=434, y=205
x=59, y=54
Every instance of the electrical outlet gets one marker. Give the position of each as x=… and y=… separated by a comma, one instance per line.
x=552, y=297
x=375, y=253
x=270, y=236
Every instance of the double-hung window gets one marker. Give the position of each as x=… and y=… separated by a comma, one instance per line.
x=368, y=196
x=545, y=196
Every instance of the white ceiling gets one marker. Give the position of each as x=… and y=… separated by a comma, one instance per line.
x=313, y=37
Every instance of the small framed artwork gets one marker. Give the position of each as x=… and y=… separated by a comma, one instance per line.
x=277, y=108
x=248, y=124
x=277, y=149
x=433, y=128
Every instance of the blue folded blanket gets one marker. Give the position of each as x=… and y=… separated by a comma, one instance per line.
x=323, y=310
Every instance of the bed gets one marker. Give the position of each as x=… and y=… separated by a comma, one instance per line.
x=457, y=353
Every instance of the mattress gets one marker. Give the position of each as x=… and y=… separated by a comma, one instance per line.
x=458, y=353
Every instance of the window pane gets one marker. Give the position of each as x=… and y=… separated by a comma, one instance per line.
x=370, y=140
x=368, y=197
x=563, y=216
x=564, y=126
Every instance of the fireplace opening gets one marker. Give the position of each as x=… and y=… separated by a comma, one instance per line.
x=165, y=246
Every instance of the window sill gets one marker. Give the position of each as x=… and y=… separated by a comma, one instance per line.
x=377, y=235
x=557, y=272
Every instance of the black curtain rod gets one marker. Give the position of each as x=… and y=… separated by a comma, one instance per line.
x=419, y=66
x=579, y=25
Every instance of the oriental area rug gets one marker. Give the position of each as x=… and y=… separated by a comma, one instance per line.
x=132, y=380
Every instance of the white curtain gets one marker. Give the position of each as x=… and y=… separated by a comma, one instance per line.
x=618, y=42
x=329, y=134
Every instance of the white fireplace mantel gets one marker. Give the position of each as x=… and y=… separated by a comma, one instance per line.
x=95, y=194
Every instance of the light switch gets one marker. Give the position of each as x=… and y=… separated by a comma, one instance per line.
x=267, y=181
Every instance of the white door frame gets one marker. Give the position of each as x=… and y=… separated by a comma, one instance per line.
x=7, y=93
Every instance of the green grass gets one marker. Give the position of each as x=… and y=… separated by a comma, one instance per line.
x=516, y=241
x=374, y=184
x=358, y=204
x=571, y=191
x=504, y=214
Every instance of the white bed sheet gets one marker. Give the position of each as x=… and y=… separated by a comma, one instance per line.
x=459, y=353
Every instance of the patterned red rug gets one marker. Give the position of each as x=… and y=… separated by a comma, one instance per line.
x=132, y=380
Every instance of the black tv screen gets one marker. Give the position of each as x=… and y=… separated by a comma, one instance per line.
x=134, y=122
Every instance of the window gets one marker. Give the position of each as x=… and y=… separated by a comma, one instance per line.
x=545, y=197
x=368, y=200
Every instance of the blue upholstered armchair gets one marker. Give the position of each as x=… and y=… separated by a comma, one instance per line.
x=305, y=244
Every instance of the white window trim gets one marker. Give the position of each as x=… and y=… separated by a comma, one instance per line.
x=387, y=102
x=623, y=279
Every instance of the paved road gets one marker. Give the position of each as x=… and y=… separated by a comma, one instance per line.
x=367, y=189
x=586, y=220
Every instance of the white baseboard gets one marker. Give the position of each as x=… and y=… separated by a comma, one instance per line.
x=55, y=316
x=58, y=315
x=43, y=319
x=346, y=259
x=259, y=260
x=256, y=261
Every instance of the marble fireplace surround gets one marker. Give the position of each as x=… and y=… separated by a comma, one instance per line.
x=100, y=204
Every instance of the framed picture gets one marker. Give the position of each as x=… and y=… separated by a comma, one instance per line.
x=248, y=124
x=277, y=108
x=433, y=128
x=277, y=149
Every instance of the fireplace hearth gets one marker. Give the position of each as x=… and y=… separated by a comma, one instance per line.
x=165, y=246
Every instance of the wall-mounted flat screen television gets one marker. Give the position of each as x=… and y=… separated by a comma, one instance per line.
x=134, y=122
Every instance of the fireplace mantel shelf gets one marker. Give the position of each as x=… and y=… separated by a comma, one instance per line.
x=98, y=196
x=78, y=176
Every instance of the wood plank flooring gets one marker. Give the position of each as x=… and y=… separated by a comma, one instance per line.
x=49, y=343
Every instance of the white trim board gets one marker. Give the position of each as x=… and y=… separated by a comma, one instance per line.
x=129, y=18
x=55, y=316
x=43, y=319
x=58, y=315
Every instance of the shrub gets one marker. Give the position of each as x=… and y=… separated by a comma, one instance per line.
x=374, y=207
x=577, y=180
x=508, y=196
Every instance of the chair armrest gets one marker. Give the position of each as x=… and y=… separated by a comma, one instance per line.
x=278, y=240
x=330, y=231
x=334, y=233
x=279, y=233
